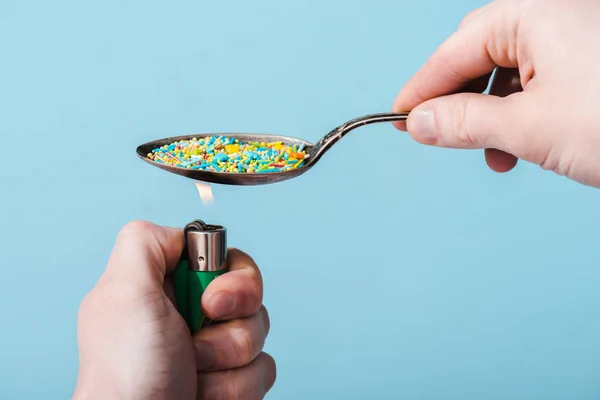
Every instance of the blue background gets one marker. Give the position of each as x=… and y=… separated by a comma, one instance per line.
x=403, y=272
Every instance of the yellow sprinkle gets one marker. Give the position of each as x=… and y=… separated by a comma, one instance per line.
x=232, y=148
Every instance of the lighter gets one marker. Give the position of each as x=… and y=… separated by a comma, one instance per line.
x=204, y=258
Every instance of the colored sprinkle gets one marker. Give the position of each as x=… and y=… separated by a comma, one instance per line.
x=227, y=154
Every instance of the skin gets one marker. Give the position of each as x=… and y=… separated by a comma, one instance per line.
x=545, y=96
x=133, y=344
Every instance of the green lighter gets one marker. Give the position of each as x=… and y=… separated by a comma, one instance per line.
x=204, y=258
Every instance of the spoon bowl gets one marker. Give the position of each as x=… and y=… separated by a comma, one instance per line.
x=314, y=151
x=228, y=178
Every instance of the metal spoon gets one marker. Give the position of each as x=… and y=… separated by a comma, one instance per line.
x=315, y=152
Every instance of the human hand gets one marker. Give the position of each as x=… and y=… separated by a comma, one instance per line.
x=133, y=344
x=545, y=96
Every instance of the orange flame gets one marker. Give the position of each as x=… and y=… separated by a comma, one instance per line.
x=205, y=193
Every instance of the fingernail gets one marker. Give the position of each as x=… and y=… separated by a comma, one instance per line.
x=221, y=304
x=421, y=124
x=205, y=356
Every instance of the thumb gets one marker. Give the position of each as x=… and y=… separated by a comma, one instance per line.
x=479, y=121
x=143, y=254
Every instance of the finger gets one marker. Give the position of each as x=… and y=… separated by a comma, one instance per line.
x=232, y=344
x=250, y=382
x=478, y=85
x=237, y=293
x=470, y=53
x=506, y=82
x=500, y=161
x=481, y=121
x=144, y=253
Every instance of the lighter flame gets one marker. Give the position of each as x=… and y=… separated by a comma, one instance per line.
x=205, y=193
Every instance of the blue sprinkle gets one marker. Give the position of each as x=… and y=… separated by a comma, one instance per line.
x=268, y=170
x=301, y=148
x=214, y=164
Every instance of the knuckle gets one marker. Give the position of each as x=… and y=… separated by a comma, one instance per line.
x=533, y=147
x=459, y=123
x=146, y=235
x=271, y=370
x=467, y=19
x=137, y=227
x=558, y=162
x=444, y=60
x=549, y=162
x=253, y=291
x=242, y=345
x=265, y=319
x=243, y=258
x=226, y=389
x=237, y=253
x=232, y=391
x=256, y=285
x=254, y=275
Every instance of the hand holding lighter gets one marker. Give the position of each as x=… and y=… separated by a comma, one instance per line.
x=204, y=258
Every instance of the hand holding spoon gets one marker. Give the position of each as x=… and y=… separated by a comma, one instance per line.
x=314, y=152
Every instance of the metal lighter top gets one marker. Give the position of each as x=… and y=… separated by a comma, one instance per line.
x=206, y=246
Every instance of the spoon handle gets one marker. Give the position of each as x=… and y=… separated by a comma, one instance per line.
x=332, y=137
